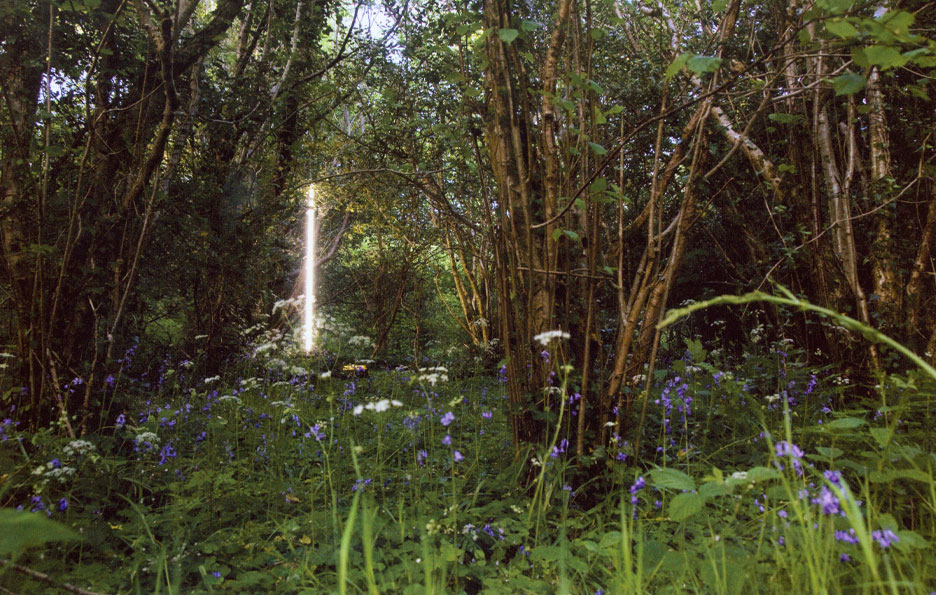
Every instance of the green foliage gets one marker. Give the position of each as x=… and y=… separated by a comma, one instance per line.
x=287, y=481
x=21, y=530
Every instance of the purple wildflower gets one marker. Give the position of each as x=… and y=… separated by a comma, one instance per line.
x=885, y=537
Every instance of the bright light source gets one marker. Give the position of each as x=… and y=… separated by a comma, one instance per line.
x=308, y=322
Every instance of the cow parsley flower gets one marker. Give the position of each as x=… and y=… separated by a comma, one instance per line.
x=544, y=338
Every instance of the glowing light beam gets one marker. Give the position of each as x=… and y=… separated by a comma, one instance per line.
x=308, y=319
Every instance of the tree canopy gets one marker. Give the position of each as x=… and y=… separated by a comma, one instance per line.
x=487, y=172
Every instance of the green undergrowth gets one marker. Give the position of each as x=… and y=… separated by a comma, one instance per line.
x=764, y=476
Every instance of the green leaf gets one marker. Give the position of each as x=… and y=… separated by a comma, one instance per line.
x=677, y=65
x=832, y=453
x=556, y=233
x=595, y=87
x=881, y=436
x=885, y=56
x=782, y=118
x=703, y=64
x=672, y=478
x=597, y=149
x=918, y=92
x=528, y=25
x=842, y=28
x=835, y=6
x=599, y=116
x=572, y=235
x=848, y=83
x=547, y=553
x=762, y=474
x=20, y=530
x=719, y=5
x=845, y=423
x=684, y=506
x=615, y=110
x=599, y=185
x=914, y=474
x=898, y=21
x=910, y=540
x=508, y=35
x=714, y=489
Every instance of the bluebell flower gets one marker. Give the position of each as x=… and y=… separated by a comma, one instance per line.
x=827, y=501
x=447, y=440
x=63, y=504
x=458, y=456
x=885, y=537
x=559, y=448
x=448, y=418
x=846, y=536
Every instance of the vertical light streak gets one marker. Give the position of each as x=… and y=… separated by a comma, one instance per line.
x=308, y=328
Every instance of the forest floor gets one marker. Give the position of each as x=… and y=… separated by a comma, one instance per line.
x=766, y=477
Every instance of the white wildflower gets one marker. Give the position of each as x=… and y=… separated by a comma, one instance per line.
x=147, y=437
x=544, y=338
x=361, y=340
x=433, y=378
x=212, y=379
x=226, y=398
x=261, y=349
x=742, y=475
x=78, y=448
x=325, y=375
x=378, y=406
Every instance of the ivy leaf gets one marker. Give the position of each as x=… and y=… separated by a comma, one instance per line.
x=848, y=83
x=508, y=35
x=674, y=68
x=842, y=28
x=527, y=26
x=703, y=64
